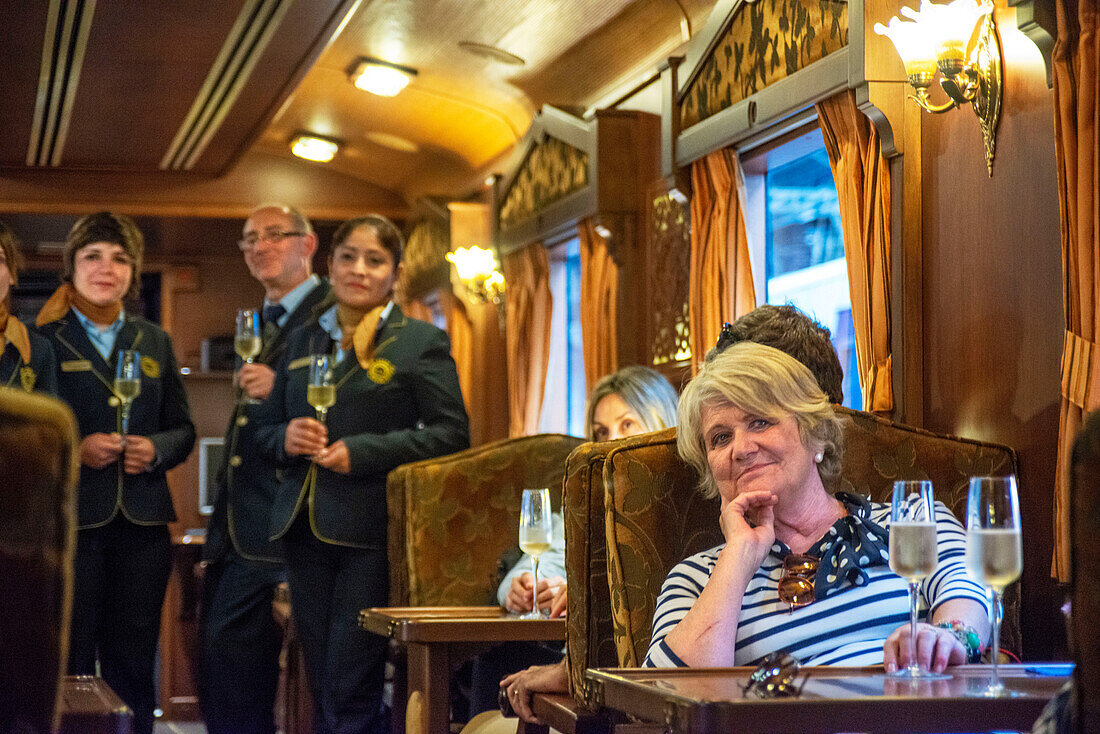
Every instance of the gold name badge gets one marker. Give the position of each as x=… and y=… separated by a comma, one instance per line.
x=150, y=368
x=27, y=378
x=76, y=365
x=298, y=363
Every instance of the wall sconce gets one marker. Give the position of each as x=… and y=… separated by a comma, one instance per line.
x=479, y=272
x=960, y=41
x=380, y=77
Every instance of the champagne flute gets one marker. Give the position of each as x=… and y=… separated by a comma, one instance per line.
x=535, y=534
x=321, y=391
x=994, y=553
x=127, y=384
x=913, y=555
x=247, y=342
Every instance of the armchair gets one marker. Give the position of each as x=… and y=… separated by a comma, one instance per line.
x=632, y=507
x=451, y=517
x=39, y=464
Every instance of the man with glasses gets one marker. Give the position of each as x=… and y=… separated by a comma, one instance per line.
x=240, y=640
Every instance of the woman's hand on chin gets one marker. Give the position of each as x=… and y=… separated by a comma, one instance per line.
x=748, y=521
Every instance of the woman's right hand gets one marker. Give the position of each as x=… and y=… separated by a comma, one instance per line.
x=305, y=437
x=519, y=687
x=97, y=450
x=748, y=522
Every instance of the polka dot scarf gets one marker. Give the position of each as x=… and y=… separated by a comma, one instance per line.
x=852, y=544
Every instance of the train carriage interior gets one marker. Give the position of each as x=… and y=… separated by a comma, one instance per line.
x=641, y=171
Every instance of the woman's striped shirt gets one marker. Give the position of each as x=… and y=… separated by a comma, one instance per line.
x=849, y=627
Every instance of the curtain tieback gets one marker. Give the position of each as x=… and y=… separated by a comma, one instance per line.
x=1081, y=371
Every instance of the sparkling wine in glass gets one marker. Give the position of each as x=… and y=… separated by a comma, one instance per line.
x=913, y=556
x=247, y=342
x=535, y=534
x=994, y=553
x=321, y=390
x=127, y=384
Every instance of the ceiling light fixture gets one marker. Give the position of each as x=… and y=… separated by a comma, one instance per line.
x=314, y=148
x=380, y=77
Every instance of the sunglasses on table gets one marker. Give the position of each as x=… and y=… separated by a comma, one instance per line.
x=796, y=587
x=775, y=677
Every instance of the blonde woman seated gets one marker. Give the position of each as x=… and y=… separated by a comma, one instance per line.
x=763, y=437
x=629, y=402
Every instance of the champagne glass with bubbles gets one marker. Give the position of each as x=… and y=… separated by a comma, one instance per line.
x=535, y=534
x=321, y=390
x=127, y=384
x=994, y=553
x=913, y=556
x=247, y=342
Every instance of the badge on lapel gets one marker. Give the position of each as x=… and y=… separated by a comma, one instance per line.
x=150, y=368
x=26, y=378
x=380, y=371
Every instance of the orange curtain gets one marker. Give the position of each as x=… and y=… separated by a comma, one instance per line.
x=599, y=304
x=863, y=186
x=478, y=350
x=720, y=284
x=1076, y=96
x=417, y=309
x=528, y=307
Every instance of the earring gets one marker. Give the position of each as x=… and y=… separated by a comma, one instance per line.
x=818, y=457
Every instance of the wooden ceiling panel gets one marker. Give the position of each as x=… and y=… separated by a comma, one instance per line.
x=144, y=65
x=304, y=33
x=21, y=33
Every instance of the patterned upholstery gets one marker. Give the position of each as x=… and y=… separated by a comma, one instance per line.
x=655, y=517
x=451, y=517
x=37, y=541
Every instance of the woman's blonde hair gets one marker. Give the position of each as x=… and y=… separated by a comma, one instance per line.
x=643, y=389
x=763, y=382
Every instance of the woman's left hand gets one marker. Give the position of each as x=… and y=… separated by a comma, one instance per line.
x=936, y=648
x=335, y=457
x=138, y=454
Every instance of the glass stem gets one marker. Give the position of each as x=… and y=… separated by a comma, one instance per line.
x=995, y=652
x=913, y=588
x=535, y=585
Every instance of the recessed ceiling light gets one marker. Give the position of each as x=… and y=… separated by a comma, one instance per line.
x=392, y=141
x=314, y=148
x=491, y=52
x=380, y=77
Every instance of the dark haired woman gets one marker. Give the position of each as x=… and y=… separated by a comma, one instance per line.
x=26, y=360
x=123, y=553
x=397, y=400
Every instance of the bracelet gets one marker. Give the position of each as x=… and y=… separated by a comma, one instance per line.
x=968, y=636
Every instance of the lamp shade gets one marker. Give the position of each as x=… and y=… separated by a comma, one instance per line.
x=915, y=45
x=385, y=80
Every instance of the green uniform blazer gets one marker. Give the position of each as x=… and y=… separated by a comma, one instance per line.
x=160, y=413
x=40, y=374
x=247, y=483
x=407, y=406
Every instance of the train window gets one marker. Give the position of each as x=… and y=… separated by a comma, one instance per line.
x=564, y=395
x=798, y=258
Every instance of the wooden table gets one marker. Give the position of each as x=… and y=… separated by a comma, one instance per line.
x=833, y=699
x=438, y=640
x=87, y=705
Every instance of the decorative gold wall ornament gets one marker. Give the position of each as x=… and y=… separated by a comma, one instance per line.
x=959, y=41
x=553, y=169
x=763, y=43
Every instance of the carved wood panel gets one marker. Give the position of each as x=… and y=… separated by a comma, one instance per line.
x=667, y=280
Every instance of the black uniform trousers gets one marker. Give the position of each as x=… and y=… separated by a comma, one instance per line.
x=241, y=641
x=329, y=585
x=121, y=574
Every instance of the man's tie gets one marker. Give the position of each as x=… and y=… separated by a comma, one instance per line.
x=271, y=315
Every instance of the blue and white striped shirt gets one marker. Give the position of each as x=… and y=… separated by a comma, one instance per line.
x=849, y=627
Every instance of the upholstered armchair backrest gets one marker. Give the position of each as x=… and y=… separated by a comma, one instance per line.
x=38, y=473
x=654, y=517
x=450, y=518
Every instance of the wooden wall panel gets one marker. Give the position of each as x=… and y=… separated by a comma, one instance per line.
x=992, y=313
